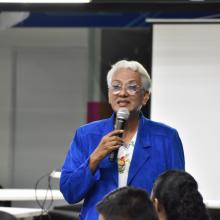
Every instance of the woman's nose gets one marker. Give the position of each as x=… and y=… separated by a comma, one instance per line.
x=123, y=91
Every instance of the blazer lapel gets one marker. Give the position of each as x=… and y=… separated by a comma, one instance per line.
x=141, y=151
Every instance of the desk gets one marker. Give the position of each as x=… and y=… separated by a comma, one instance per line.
x=22, y=212
x=29, y=194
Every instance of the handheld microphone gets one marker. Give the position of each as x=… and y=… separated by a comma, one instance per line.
x=121, y=118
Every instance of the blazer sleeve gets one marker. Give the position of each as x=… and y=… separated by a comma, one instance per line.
x=76, y=177
x=176, y=153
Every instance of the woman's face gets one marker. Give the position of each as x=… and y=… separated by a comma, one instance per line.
x=125, y=91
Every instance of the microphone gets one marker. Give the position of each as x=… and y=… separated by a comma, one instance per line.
x=121, y=118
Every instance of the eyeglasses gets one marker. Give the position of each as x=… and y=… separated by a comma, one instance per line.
x=131, y=88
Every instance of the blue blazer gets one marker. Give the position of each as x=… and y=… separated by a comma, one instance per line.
x=158, y=148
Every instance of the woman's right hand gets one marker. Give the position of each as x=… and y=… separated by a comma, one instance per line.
x=108, y=143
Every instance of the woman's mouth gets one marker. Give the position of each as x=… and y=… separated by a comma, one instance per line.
x=123, y=103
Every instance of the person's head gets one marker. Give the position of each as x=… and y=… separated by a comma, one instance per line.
x=175, y=196
x=126, y=203
x=129, y=86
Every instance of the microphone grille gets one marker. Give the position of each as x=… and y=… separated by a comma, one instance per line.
x=123, y=113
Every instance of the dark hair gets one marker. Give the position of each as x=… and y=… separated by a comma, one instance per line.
x=127, y=203
x=177, y=192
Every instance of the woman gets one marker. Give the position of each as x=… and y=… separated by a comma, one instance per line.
x=146, y=149
x=176, y=197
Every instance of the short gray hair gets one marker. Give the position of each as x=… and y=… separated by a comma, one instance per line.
x=134, y=66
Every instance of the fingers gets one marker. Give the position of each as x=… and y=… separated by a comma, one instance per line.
x=109, y=142
x=114, y=138
x=115, y=133
x=112, y=145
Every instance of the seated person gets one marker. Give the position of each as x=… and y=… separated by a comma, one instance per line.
x=176, y=197
x=126, y=203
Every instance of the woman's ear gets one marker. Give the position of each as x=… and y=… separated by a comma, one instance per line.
x=109, y=98
x=156, y=204
x=146, y=97
x=101, y=217
x=159, y=209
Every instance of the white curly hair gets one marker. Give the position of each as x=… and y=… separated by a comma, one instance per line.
x=134, y=66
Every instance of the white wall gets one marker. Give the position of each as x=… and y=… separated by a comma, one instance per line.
x=186, y=95
x=44, y=79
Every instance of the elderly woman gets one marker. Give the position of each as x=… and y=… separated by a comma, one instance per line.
x=145, y=149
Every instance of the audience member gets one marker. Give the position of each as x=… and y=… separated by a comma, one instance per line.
x=126, y=203
x=176, y=197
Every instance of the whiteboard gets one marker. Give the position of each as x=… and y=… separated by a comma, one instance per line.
x=186, y=95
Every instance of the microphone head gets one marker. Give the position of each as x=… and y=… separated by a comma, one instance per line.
x=123, y=113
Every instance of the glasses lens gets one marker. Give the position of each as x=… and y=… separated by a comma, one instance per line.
x=132, y=89
x=116, y=88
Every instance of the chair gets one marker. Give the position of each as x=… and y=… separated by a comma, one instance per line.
x=75, y=208
x=66, y=212
x=6, y=216
x=214, y=213
x=58, y=215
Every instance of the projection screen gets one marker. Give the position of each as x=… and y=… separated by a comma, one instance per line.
x=186, y=95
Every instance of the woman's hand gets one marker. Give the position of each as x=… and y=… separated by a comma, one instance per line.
x=108, y=143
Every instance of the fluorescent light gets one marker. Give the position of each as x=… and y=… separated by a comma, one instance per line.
x=45, y=1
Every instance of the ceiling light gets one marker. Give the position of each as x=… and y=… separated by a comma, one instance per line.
x=45, y=1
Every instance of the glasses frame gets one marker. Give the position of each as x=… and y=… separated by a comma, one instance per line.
x=138, y=88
